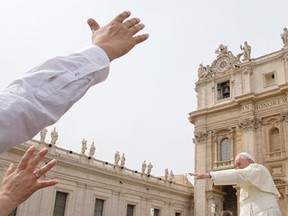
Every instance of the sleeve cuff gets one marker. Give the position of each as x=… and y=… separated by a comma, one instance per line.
x=211, y=174
x=93, y=53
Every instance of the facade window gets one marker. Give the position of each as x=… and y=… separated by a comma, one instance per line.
x=269, y=79
x=13, y=213
x=156, y=212
x=225, y=150
x=99, y=207
x=130, y=210
x=60, y=203
x=177, y=214
x=274, y=140
x=223, y=90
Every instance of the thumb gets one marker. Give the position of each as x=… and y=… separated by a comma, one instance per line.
x=93, y=24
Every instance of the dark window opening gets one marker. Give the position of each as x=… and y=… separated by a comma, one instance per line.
x=223, y=90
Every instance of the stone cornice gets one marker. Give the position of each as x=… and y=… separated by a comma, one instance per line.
x=93, y=167
x=218, y=108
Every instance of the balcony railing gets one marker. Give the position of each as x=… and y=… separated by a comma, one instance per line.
x=223, y=164
x=278, y=154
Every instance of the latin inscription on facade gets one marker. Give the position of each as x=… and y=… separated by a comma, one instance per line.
x=265, y=105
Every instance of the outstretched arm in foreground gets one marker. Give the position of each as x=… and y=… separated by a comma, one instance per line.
x=22, y=181
x=44, y=94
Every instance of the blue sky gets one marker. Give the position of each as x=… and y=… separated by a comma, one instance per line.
x=142, y=108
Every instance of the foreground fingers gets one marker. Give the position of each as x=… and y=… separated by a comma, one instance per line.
x=38, y=157
x=28, y=165
x=94, y=26
x=140, y=38
x=118, y=37
x=131, y=22
x=45, y=169
x=136, y=28
x=21, y=182
x=26, y=158
x=10, y=169
x=122, y=16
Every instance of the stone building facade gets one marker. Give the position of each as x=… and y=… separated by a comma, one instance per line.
x=91, y=187
x=242, y=106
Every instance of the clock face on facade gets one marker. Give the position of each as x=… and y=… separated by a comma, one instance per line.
x=223, y=64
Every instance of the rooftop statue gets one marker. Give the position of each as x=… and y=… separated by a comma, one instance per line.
x=116, y=158
x=149, y=168
x=144, y=165
x=284, y=37
x=92, y=150
x=54, y=136
x=246, y=48
x=123, y=160
x=43, y=134
x=84, y=146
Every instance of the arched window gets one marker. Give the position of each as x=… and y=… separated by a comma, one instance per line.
x=225, y=150
x=274, y=140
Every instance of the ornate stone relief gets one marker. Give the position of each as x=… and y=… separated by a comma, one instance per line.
x=285, y=57
x=225, y=61
x=200, y=135
x=248, y=69
x=284, y=115
x=272, y=120
x=279, y=182
x=277, y=171
x=250, y=123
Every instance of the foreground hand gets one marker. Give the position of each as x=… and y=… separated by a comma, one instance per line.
x=118, y=37
x=21, y=182
x=200, y=175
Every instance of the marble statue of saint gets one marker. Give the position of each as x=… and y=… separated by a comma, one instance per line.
x=246, y=48
x=166, y=173
x=123, y=159
x=54, y=136
x=171, y=175
x=284, y=37
x=149, y=168
x=92, y=150
x=116, y=158
x=185, y=179
x=84, y=146
x=201, y=71
x=43, y=135
x=144, y=165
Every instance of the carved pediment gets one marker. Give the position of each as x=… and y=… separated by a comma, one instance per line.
x=224, y=62
x=272, y=120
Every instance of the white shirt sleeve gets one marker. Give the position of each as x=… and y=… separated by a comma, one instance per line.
x=44, y=94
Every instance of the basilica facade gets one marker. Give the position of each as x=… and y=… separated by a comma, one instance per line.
x=242, y=105
x=92, y=187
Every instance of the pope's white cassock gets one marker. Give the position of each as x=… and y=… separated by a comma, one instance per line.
x=258, y=193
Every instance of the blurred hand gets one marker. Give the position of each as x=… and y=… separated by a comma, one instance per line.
x=118, y=37
x=200, y=175
x=20, y=182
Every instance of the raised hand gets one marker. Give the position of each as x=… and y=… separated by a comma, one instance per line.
x=119, y=36
x=22, y=181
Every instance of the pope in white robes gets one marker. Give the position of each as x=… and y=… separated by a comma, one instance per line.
x=258, y=193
